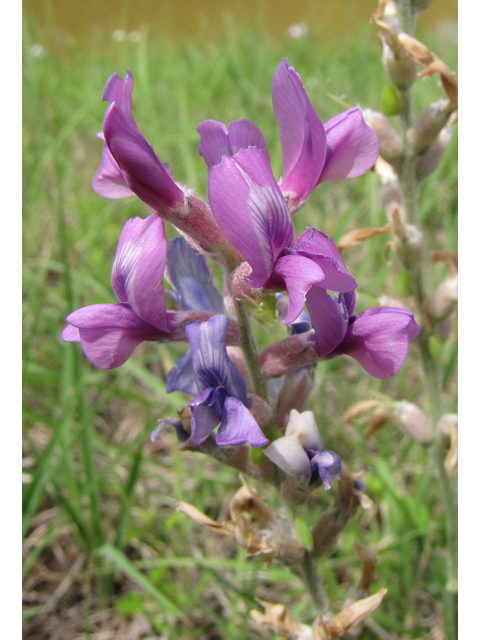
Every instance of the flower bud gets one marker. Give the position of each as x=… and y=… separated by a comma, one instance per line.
x=444, y=300
x=414, y=421
x=289, y=354
x=294, y=394
x=399, y=67
x=390, y=142
x=239, y=287
x=426, y=128
x=429, y=161
x=260, y=410
x=409, y=243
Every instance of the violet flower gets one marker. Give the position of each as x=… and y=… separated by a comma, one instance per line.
x=223, y=395
x=345, y=147
x=109, y=333
x=129, y=164
x=251, y=211
x=301, y=452
x=378, y=338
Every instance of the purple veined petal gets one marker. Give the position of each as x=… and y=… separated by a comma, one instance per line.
x=322, y=250
x=299, y=273
x=181, y=376
x=352, y=147
x=250, y=210
x=379, y=338
x=211, y=365
x=109, y=181
x=143, y=172
x=189, y=274
x=328, y=465
x=349, y=299
x=239, y=426
x=120, y=91
x=109, y=333
x=329, y=320
x=302, y=135
x=216, y=141
x=304, y=428
x=288, y=454
x=137, y=272
x=204, y=417
x=71, y=334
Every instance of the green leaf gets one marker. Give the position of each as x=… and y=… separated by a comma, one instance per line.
x=122, y=563
x=304, y=535
x=435, y=347
x=130, y=604
x=390, y=100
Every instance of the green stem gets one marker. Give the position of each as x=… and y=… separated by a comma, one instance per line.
x=249, y=346
x=433, y=379
x=312, y=580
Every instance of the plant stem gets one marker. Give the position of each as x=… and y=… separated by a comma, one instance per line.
x=432, y=372
x=312, y=580
x=250, y=350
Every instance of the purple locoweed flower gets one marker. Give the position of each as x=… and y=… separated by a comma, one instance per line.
x=345, y=147
x=377, y=338
x=109, y=333
x=223, y=393
x=301, y=452
x=130, y=166
x=251, y=211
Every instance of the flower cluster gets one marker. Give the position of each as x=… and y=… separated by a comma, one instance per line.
x=247, y=227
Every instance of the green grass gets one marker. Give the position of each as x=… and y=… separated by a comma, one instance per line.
x=100, y=492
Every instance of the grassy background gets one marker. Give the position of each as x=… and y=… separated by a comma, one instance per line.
x=105, y=553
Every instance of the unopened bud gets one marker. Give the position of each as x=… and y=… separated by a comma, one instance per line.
x=409, y=243
x=444, y=300
x=390, y=142
x=239, y=287
x=289, y=354
x=294, y=394
x=237, y=356
x=429, y=161
x=399, y=67
x=426, y=128
x=260, y=410
x=414, y=421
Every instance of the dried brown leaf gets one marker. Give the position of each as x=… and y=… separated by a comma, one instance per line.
x=278, y=618
x=227, y=528
x=353, y=614
x=359, y=235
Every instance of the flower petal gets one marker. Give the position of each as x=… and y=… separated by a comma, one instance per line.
x=211, y=365
x=329, y=320
x=379, y=338
x=304, y=428
x=181, y=376
x=299, y=274
x=239, y=426
x=120, y=91
x=288, y=454
x=352, y=147
x=143, y=172
x=109, y=181
x=302, y=134
x=250, y=210
x=188, y=273
x=328, y=465
x=70, y=334
x=109, y=333
x=137, y=272
x=204, y=417
x=322, y=250
x=216, y=141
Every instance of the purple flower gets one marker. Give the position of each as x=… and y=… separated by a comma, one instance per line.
x=110, y=332
x=251, y=211
x=223, y=395
x=378, y=338
x=129, y=164
x=301, y=452
x=345, y=147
